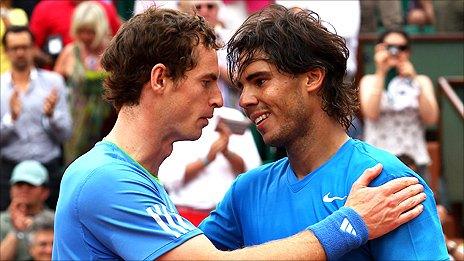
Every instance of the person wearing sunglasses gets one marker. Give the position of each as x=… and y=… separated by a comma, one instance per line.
x=397, y=102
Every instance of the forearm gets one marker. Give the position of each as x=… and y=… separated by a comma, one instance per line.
x=428, y=110
x=236, y=162
x=428, y=107
x=8, y=247
x=302, y=246
x=193, y=170
x=372, y=95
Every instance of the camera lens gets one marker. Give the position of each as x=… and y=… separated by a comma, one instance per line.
x=393, y=50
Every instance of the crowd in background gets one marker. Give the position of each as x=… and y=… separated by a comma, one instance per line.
x=52, y=111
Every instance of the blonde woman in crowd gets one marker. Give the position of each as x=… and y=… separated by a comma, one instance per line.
x=80, y=64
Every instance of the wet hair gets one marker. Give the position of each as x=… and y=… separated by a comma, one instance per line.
x=16, y=29
x=386, y=33
x=155, y=36
x=295, y=41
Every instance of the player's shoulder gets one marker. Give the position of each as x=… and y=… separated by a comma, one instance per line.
x=367, y=156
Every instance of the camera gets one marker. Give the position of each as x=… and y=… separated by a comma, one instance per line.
x=393, y=50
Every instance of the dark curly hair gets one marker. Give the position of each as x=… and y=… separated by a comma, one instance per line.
x=155, y=36
x=295, y=41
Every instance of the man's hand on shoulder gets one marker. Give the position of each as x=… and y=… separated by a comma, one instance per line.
x=386, y=207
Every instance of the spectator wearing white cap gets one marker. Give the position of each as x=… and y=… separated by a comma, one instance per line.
x=28, y=193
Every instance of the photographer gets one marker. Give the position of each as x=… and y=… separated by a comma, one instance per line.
x=397, y=103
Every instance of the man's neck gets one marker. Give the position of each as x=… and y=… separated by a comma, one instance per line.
x=138, y=139
x=311, y=151
x=21, y=78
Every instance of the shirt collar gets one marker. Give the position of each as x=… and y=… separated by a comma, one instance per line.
x=32, y=76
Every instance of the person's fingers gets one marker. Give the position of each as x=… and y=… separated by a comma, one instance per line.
x=398, y=184
x=409, y=192
x=368, y=175
x=411, y=202
x=409, y=215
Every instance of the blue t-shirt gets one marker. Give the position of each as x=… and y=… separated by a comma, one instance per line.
x=110, y=207
x=270, y=203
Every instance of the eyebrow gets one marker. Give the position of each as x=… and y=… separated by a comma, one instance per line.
x=255, y=75
x=211, y=76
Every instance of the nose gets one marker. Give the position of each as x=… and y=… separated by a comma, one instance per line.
x=247, y=99
x=216, y=100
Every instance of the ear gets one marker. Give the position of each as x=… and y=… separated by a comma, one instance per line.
x=44, y=194
x=314, y=79
x=158, y=78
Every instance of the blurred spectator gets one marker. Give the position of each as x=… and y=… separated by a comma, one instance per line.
x=27, y=6
x=210, y=11
x=9, y=16
x=28, y=194
x=342, y=16
x=40, y=237
x=236, y=11
x=449, y=15
x=396, y=102
x=419, y=12
x=52, y=28
x=419, y=16
x=35, y=117
x=80, y=64
x=387, y=14
x=198, y=173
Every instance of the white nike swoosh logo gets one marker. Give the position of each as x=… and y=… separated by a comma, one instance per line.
x=328, y=199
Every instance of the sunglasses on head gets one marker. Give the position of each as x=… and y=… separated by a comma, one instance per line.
x=208, y=6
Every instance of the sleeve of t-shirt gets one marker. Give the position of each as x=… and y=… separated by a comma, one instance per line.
x=130, y=216
x=222, y=227
x=420, y=239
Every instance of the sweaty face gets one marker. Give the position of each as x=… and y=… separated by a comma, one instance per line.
x=196, y=96
x=41, y=245
x=274, y=102
x=19, y=50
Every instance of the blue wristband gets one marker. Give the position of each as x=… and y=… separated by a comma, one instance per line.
x=341, y=232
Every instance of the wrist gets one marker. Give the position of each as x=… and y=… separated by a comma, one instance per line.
x=341, y=232
x=380, y=73
x=205, y=161
x=19, y=235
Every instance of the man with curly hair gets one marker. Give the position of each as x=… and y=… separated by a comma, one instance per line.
x=290, y=69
